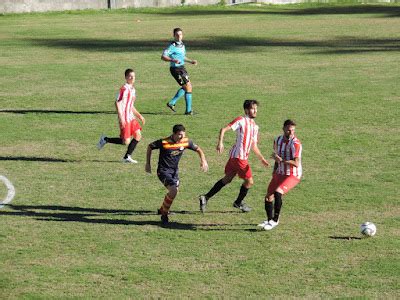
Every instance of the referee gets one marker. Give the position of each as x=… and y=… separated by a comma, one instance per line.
x=175, y=54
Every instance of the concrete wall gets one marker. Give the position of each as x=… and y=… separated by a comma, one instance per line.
x=20, y=6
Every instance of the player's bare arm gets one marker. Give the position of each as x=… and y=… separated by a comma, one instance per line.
x=293, y=162
x=168, y=59
x=191, y=61
x=203, y=161
x=120, y=115
x=148, y=159
x=257, y=152
x=220, y=145
x=139, y=116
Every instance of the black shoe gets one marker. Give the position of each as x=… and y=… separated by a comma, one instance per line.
x=189, y=113
x=243, y=207
x=171, y=107
x=203, y=203
x=164, y=219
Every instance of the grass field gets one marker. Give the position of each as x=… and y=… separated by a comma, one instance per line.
x=84, y=225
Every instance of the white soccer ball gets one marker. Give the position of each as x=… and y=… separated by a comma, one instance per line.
x=368, y=229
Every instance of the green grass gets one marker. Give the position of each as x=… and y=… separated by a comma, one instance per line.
x=83, y=225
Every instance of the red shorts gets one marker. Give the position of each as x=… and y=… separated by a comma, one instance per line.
x=284, y=182
x=130, y=130
x=238, y=166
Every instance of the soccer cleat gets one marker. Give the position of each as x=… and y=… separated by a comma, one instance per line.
x=189, y=113
x=203, y=203
x=171, y=107
x=129, y=160
x=263, y=224
x=164, y=219
x=243, y=207
x=271, y=225
x=101, y=142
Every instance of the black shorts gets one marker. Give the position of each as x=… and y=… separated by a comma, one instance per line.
x=180, y=74
x=168, y=177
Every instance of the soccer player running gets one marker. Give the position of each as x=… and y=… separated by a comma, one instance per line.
x=286, y=175
x=130, y=129
x=171, y=150
x=175, y=54
x=246, y=139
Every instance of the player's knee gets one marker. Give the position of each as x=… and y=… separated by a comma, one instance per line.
x=269, y=198
x=126, y=141
x=249, y=183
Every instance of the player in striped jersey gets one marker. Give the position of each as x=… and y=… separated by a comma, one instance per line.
x=286, y=175
x=130, y=129
x=171, y=150
x=175, y=54
x=246, y=139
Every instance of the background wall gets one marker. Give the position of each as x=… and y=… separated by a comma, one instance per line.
x=19, y=6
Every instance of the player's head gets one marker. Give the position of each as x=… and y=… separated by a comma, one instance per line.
x=178, y=132
x=289, y=127
x=250, y=108
x=130, y=76
x=178, y=34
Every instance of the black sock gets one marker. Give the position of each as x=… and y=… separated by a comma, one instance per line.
x=242, y=194
x=215, y=189
x=269, y=209
x=277, y=206
x=113, y=140
x=131, y=147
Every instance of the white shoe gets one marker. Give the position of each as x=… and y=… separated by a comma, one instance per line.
x=129, y=160
x=271, y=225
x=101, y=142
x=263, y=224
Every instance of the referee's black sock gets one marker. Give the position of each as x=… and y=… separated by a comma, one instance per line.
x=113, y=140
x=242, y=194
x=215, y=189
x=131, y=147
x=269, y=209
x=277, y=206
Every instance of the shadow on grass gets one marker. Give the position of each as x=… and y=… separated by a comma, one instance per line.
x=44, y=111
x=55, y=213
x=340, y=45
x=384, y=10
x=33, y=158
x=347, y=238
x=88, y=112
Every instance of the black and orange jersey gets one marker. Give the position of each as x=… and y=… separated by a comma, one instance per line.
x=171, y=152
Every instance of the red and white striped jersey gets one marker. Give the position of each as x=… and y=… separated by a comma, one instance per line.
x=246, y=135
x=125, y=101
x=288, y=149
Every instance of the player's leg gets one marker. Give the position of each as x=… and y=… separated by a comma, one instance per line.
x=175, y=72
x=188, y=98
x=244, y=172
x=171, y=182
x=135, y=135
x=230, y=173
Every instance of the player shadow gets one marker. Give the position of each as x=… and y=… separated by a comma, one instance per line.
x=49, y=111
x=34, y=158
x=56, y=213
x=339, y=45
x=386, y=11
x=347, y=238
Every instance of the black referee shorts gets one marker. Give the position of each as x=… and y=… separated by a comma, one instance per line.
x=180, y=74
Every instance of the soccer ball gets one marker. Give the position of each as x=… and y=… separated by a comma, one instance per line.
x=368, y=229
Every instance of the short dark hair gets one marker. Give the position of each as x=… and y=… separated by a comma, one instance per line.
x=249, y=103
x=178, y=127
x=289, y=123
x=128, y=71
x=177, y=29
